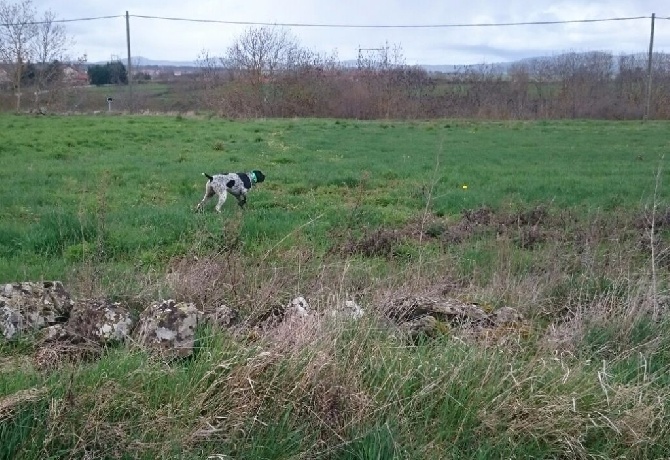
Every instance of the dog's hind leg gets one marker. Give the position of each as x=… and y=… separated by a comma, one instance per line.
x=222, y=199
x=209, y=192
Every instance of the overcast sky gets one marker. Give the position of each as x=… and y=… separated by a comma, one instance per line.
x=184, y=41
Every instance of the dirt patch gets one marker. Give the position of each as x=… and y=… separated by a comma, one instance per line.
x=536, y=226
x=528, y=228
x=383, y=242
x=372, y=243
x=660, y=219
x=479, y=216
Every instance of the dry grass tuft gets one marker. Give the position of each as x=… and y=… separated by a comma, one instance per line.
x=296, y=370
x=54, y=355
x=575, y=407
x=11, y=403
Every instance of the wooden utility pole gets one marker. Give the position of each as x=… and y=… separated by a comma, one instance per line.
x=130, y=73
x=649, y=68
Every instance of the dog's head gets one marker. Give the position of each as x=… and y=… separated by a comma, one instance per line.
x=260, y=177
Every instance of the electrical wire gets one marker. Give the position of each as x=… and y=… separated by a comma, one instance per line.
x=342, y=26
x=387, y=26
x=36, y=23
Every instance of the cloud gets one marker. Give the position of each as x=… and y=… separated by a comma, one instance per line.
x=162, y=39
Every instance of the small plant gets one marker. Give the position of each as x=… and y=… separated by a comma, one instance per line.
x=436, y=229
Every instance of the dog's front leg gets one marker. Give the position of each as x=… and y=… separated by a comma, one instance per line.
x=241, y=199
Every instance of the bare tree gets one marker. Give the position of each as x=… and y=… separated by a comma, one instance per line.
x=583, y=80
x=259, y=60
x=17, y=33
x=50, y=44
x=380, y=69
x=210, y=79
x=51, y=39
x=260, y=52
x=305, y=87
x=517, y=100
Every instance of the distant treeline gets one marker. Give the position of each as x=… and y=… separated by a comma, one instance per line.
x=571, y=85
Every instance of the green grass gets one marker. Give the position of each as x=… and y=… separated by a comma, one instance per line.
x=350, y=209
x=133, y=181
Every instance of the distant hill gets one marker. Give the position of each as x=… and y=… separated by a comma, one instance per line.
x=443, y=68
x=147, y=62
x=142, y=61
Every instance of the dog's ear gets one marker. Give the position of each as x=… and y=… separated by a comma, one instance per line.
x=260, y=177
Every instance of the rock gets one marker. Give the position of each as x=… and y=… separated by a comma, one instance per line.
x=424, y=326
x=55, y=333
x=429, y=316
x=446, y=310
x=92, y=325
x=168, y=328
x=100, y=321
x=11, y=322
x=30, y=306
x=505, y=316
x=349, y=309
x=353, y=309
x=223, y=317
x=298, y=308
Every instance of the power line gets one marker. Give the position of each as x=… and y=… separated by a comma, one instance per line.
x=86, y=19
x=60, y=21
x=388, y=26
x=344, y=26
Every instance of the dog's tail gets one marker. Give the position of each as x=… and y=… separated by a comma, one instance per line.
x=208, y=176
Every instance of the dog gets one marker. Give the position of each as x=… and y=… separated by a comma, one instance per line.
x=237, y=184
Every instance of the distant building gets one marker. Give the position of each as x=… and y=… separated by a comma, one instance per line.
x=74, y=76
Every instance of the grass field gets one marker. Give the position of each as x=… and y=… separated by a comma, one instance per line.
x=133, y=182
x=556, y=219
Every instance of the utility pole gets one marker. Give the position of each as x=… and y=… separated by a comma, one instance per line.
x=649, y=68
x=130, y=73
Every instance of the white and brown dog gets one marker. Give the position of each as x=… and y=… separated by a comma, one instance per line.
x=237, y=184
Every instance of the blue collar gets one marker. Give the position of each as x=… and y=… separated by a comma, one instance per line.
x=252, y=175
